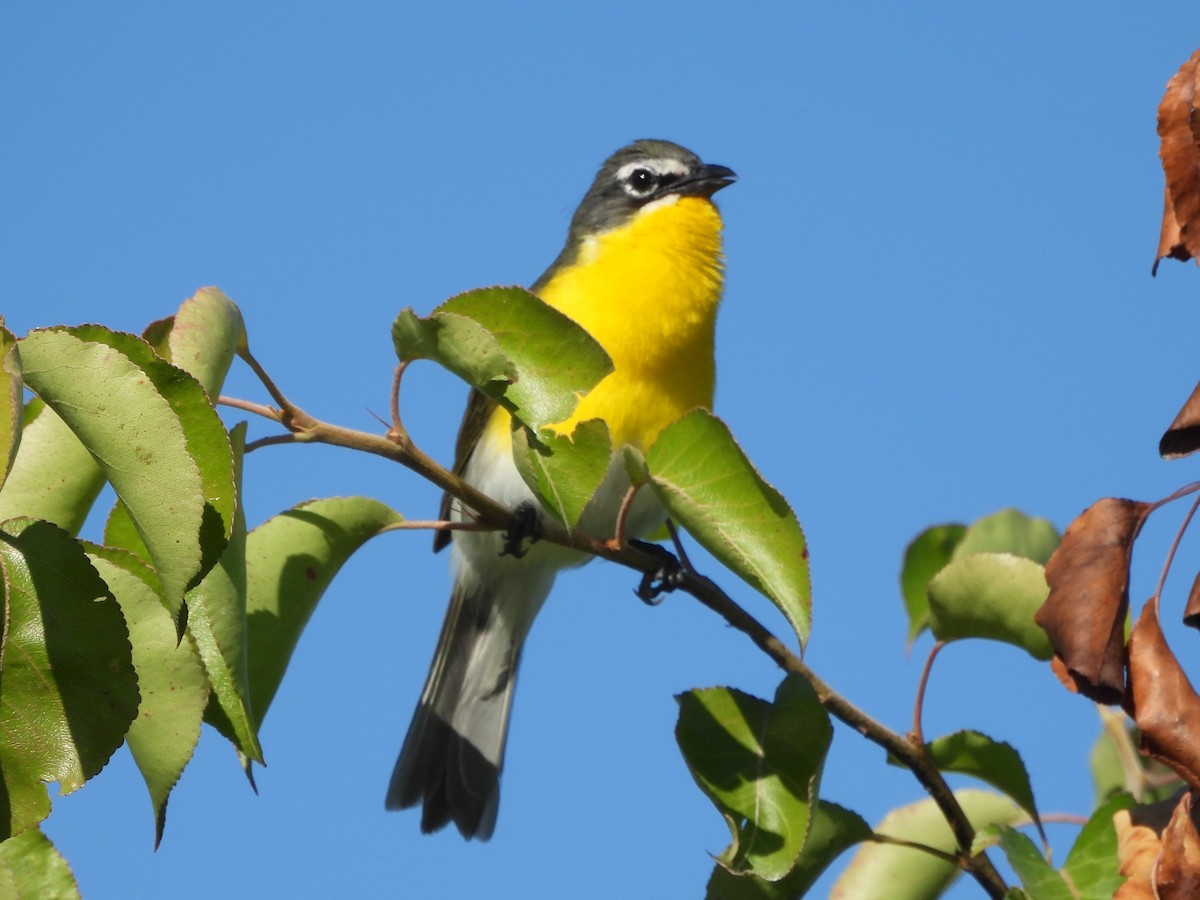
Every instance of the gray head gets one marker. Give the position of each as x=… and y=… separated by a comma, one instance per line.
x=639, y=174
x=634, y=176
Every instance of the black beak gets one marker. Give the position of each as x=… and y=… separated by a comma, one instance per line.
x=704, y=182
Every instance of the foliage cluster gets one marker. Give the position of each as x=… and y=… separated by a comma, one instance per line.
x=181, y=615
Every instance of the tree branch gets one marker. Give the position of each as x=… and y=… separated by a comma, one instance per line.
x=912, y=757
x=397, y=446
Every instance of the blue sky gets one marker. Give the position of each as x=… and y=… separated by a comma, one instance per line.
x=938, y=304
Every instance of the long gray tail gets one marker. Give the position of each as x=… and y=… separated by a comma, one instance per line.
x=454, y=751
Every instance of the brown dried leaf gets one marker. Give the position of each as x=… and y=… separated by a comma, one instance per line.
x=1140, y=844
x=1084, y=615
x=1179, y=130
x=1177, y=874
x=1137, y=849
x=1161, y=699
x=1183, y=437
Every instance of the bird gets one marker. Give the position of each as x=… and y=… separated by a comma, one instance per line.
x=642, y=271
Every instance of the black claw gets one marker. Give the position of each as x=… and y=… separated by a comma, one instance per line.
x=526, y=524
x=665, y=578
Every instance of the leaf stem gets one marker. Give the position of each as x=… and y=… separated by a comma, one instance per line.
x=680, y=550
x=267, y=382
x=918, y=734
x=394, y=404
x=434, y=525
x=257, y=409
x=270, y=441
x=877, y=838
x=1162, y=578
x=623, y=515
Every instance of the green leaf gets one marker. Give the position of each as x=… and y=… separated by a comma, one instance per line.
x=53, y=477
x=760, y=764
x=708, y=486
x=205, y=335
x=1010, y=531
x=11, y=395
x=1040, y=880
x=122, y=534
x=994, y=762
x=901, y=873
x=69, y=689
x=31, y=869
x=171, y=679
x=832, y=831
x=158, y=335
x=1092, y=864
x=990, y=595
x=927, y=555
x=509, y=344
x=217, y=623
x=290, y=561
x=155, y=435
x=564, y=471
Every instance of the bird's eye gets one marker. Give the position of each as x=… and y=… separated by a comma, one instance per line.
x=641, y=182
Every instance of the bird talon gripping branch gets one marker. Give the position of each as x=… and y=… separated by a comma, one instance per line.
x=526, y=523
x=665, y=578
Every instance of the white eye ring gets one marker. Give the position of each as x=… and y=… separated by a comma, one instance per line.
x=641, y=181
x=642, y=178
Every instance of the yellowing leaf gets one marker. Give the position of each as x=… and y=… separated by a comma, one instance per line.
x=901, y=873
x=205, y=335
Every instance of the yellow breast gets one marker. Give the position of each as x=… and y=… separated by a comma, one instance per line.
x=648, y=293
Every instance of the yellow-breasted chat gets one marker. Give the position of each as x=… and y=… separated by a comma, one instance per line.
x=642, y=272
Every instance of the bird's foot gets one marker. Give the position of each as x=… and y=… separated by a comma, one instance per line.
x=526, y=524
x=668, y=575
